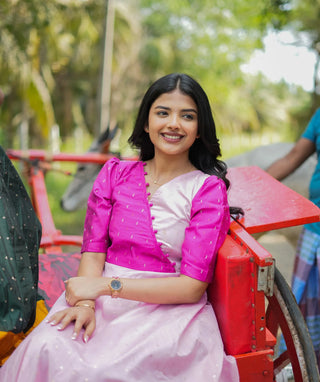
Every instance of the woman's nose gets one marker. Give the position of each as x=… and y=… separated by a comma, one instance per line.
x=174, y=121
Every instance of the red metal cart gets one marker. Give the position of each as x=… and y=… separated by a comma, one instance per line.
x=252, y=301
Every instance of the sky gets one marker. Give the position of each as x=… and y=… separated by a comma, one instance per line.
x=281, y=60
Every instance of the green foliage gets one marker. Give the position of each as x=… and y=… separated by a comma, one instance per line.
x=51, y=56
x=210, y=41
x=19, y=63
x=38, y=97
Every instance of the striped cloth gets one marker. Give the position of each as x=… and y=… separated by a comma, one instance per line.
x=306, y=285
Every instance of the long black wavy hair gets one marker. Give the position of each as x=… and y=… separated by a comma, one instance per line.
x=204, y=152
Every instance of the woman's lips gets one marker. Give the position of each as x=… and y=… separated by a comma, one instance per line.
x=172, y=137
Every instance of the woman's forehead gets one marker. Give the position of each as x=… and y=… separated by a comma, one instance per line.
x=175, y=98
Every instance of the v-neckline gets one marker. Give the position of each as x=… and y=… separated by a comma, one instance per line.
x=150, y=197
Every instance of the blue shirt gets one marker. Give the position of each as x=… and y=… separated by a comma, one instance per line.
x=312, y=132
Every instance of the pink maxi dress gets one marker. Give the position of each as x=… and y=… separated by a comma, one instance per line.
x=177, y=231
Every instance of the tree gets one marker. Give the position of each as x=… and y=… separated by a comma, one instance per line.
x=50, y=60
x=51, y=57
x=305, y=24
x=210, y=41
x=19, y=65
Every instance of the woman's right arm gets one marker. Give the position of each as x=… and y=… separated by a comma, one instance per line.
x=91, y=266
x=284, y=166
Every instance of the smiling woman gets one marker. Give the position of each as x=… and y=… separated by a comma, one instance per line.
x=152, y=232
x=173, y=124
x=172, y=127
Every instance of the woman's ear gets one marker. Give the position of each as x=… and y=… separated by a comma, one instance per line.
x=146, y=128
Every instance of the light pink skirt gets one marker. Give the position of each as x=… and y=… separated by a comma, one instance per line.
x=133, y=342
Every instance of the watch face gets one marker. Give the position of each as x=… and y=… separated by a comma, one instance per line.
x=116, y=284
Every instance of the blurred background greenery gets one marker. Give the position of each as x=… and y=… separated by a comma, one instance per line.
x=53, y=54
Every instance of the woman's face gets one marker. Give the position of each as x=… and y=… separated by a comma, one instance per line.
x=173, y=123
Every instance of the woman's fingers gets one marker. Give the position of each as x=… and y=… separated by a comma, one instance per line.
x=89, y=330
x=57, y=317
x=86, y=320
x=80, y=322
x=83, y=317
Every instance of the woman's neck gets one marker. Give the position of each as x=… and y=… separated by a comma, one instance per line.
x=160, y=170
x=167, y=167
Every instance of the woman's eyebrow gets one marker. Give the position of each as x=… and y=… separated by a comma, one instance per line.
x=162, y=107
x=183, y=110
x=190, y=110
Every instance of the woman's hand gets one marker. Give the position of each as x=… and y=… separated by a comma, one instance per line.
x=85, y=288
x=83, y=317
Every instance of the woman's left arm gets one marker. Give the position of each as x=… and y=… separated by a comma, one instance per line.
x=167, y=290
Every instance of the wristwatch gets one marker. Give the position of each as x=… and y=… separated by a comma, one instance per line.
x=115, y=287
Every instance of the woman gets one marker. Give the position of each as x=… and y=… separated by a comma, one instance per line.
x=152, y=232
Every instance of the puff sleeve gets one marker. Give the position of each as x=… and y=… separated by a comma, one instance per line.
x=208, y=227
x=99, y=207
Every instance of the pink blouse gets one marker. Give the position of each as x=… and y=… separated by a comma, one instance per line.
x=179, y=230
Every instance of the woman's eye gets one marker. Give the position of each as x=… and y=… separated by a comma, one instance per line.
x=188, y=116
x=162, y=113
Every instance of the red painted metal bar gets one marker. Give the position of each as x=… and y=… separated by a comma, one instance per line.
x=43, y=155
x=240, y=307
x=57, y=240
x=261, y=256
x=238, y=262
x=256, y=367
x=50, y=235
x=268, y=204
x=275, y=319
x=41, y=203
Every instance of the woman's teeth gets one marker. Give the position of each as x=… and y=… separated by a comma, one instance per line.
x=175, y=137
